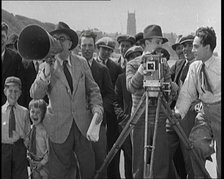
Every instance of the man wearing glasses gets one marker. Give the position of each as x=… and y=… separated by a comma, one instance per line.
x=74, y=100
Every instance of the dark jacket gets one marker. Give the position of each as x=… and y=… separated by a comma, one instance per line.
x=101, y=75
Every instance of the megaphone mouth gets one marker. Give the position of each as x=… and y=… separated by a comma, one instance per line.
x=33, y=42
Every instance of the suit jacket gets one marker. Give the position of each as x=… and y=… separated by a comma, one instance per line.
x=101, y=75
x=64, y=106
x=123, y=100
x=176, y=70
x=11, y=66
x=114, y=69
x=29, y=75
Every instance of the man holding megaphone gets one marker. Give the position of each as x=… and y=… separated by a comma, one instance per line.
x=75, y=103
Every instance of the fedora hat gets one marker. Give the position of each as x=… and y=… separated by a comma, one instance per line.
x=174, y=46
x=154, y=31
x=62, y=27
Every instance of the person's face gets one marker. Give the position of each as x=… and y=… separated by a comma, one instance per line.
x=134, y=55
x=35, y=115
x=199, y=50
x=179, y=50
x=124, y=46
x=153, y=43
x=187, y=50
x=12, y=94
x=4, y=39
x=65, y=41
x=87, y=47
x=105, y=53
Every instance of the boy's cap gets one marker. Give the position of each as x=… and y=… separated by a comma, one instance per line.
x=12, y=80
x=106, y=42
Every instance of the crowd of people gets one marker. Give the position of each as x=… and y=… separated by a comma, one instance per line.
x=61, y=115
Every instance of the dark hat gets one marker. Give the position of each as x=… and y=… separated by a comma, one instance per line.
x=154, y=31
x=132, y=50
x=126, y=38
x=5, y=27
x=139, y=36
x=188, y=38
x=12, y=39
x=62, y=27
x=12, y=80
x=106, y=42
x=174, y=46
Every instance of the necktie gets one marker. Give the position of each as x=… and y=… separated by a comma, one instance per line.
x=32, y=146
x=12, y=122
x=204, y=79
x=184, y=71
x=67, y=74
x=37, y=67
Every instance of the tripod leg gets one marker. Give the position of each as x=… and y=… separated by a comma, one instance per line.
x=154, y=136
x=180, y=132
x=125, y=132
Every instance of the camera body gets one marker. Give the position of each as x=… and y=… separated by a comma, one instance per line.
x=153, y=79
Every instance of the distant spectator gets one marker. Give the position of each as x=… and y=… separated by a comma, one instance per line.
x=139, y=40
x=178, y=48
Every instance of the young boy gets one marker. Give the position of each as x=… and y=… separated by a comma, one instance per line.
x=38, y=140
x=15, y=127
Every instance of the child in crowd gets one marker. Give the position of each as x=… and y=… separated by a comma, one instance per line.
x=38, y=140
x=15, y=128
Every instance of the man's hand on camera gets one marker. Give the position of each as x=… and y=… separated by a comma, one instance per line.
x=141, y=69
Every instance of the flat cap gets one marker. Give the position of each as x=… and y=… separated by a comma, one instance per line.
x=132, y=50
x=12, y=80
x=188, y=38
x=128, y=38
x=106, y=42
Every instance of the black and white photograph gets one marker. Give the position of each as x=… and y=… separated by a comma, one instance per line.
x=111, y=89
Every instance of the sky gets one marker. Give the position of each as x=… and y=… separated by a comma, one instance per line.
x=110, y=16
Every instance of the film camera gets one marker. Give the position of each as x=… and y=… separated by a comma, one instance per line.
x=153, y=80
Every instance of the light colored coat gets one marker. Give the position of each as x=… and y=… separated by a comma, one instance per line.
x=65, y=107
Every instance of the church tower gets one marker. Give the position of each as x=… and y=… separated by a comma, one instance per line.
x=131, y=24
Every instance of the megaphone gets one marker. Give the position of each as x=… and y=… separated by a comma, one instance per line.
x=35, y=43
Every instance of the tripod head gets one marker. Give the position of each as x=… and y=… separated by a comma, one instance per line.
x=153, y=80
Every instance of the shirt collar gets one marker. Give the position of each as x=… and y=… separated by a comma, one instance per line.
x=90, y=61
x=6, y=106
x=61, y=61
x=209, y=61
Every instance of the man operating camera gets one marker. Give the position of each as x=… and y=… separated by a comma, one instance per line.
x=135, y=81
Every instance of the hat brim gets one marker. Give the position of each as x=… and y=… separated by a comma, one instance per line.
x=13, y=84
x=159, y=37
x=71, y=33
x=174, y=46
x=129, y=53
x=187, y=40
x=106, y=47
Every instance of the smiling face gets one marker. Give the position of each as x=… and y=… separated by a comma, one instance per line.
x=12, y=94
x=36, y=115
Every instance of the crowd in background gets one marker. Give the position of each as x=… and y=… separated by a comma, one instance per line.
x=61, y=115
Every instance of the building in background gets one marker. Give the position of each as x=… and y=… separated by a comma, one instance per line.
x=131, y=24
